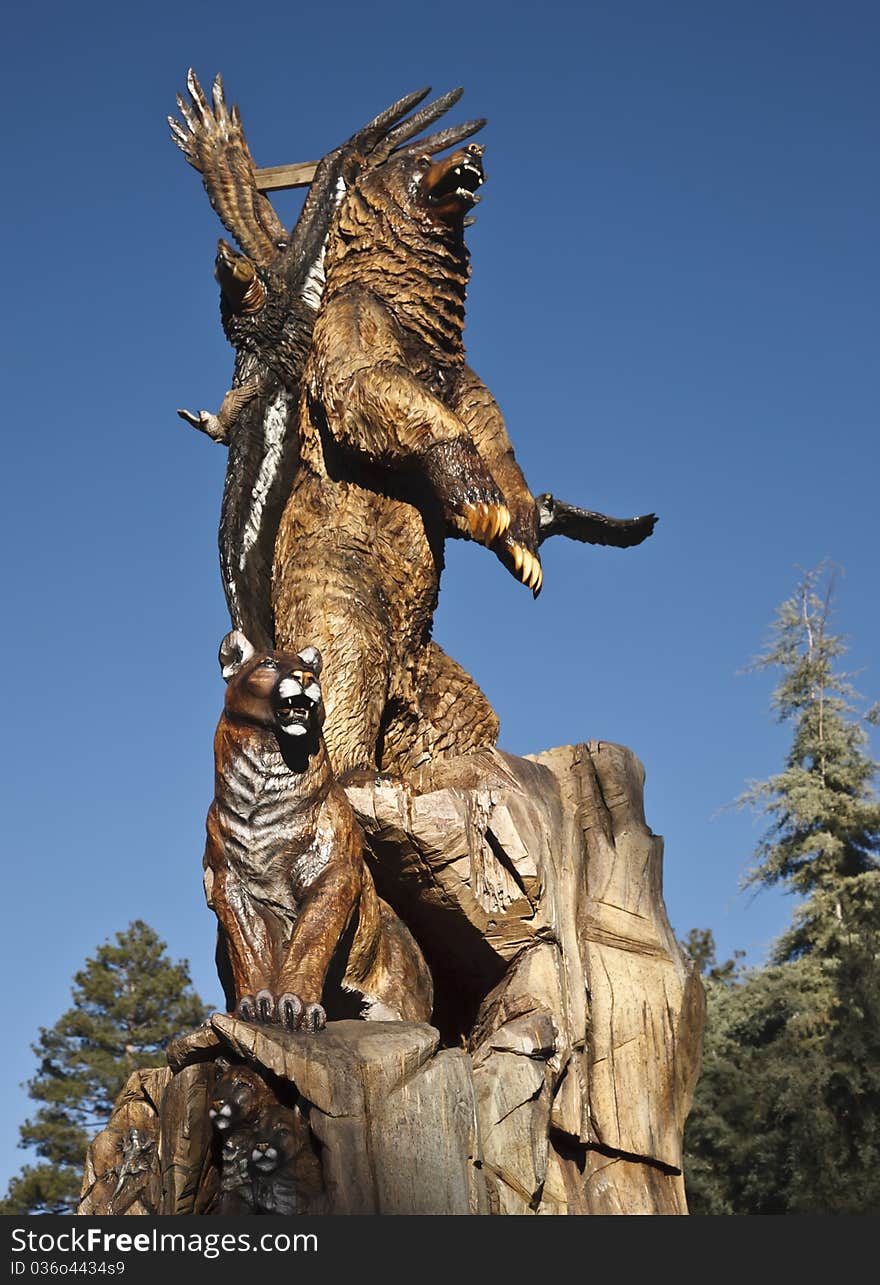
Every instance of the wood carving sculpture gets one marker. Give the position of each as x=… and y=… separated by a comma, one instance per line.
x=239, y=1096
x=558, y=1068
x=133, y=1171
x=284, y=869
x=269, y=297
x=401, y=446
x=269, y=300
x=389, y=468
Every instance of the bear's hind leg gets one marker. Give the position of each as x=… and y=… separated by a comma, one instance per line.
x=450, y=716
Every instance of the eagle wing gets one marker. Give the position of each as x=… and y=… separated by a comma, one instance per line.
x=555, y=517
x=262, y=460
x=367, y=148
x=212, y=140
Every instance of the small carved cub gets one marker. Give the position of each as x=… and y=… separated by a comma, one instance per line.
x=285, y=1171
x=284, y=868
x=268, y=1161
x=240, y=1094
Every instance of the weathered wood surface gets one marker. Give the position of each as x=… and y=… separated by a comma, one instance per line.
x=560, y=1069
x=108, y=1187
x=540, y=875
x=393, y=1115
x=279, y=178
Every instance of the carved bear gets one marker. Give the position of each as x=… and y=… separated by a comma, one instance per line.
x=401, y=446
x=302, y=931
x=269, y=298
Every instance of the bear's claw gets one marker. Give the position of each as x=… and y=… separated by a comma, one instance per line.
x=527, y=567
x=486, y=521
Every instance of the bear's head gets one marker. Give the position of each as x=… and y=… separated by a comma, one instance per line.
x=276, y=689
x=436, y=193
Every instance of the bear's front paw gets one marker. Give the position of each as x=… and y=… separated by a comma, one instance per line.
x=521, y=561
x=472, y=502
x=482, y=520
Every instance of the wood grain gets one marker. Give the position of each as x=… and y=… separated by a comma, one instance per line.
x=570, y=1021
x=280, y=178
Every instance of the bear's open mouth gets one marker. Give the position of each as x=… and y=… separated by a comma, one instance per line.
x=455, y=179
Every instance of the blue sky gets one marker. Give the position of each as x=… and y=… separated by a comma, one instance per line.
x=674, y=299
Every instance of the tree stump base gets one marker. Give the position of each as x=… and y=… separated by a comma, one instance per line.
x=561, y=1068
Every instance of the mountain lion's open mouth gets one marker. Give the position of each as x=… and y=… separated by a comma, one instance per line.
x=296, y=699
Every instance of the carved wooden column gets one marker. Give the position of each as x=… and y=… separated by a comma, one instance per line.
x=560, y=1071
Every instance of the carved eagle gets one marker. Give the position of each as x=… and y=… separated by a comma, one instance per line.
x=270, y=296
x=555, y=517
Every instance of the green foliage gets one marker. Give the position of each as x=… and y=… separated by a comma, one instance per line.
x=786, y=1118
x=700, y=945
x=825, y=818
x=128, y=1002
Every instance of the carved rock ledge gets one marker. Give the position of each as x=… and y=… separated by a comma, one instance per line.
x=569, y=1022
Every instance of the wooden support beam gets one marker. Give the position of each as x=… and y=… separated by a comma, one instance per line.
x=278, y=178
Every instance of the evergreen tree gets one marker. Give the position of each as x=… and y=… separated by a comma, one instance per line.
x=787, y=1113
x=700, y=945
x=128, y=1002
x=824, y=837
